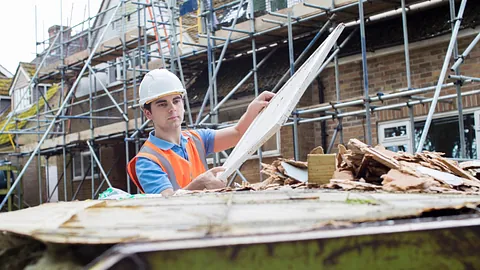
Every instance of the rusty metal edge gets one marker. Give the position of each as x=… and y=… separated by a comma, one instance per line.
x=121, y=251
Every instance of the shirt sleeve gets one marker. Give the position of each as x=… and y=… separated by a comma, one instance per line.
x=208, y=138
x=151, y=176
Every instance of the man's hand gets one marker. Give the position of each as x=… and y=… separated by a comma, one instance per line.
x=260, y=102
x=207, y=180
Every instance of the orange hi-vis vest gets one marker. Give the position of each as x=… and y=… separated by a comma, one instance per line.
x=179, y=170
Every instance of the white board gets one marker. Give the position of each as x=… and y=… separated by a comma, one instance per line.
x=281, y=106
x=295, y=172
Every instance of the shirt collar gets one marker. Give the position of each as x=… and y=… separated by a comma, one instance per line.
x=165, y=145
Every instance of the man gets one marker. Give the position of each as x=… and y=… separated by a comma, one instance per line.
x=171, y=159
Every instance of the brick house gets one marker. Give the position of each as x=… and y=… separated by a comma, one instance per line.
x=429, y=33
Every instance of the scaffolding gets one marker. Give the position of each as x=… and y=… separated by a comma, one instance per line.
x=163, y=44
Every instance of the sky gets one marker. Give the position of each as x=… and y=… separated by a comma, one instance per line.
x=18, y=25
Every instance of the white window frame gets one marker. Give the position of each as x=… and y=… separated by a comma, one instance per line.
x=397, y=141
x=45, y=90
x=265, y=154
x=26, y=101
x=83, y=168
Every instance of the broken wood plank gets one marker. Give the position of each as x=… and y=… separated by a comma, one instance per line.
x=317, y=150
x=396, y=180
x=351, y=185
x=343, y=175
x=470, y=164
x=457, y=170
x=383, y=158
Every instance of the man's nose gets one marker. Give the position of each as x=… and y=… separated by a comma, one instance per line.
x=171, y=107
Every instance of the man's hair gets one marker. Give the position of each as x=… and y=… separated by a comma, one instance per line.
x=148, y=107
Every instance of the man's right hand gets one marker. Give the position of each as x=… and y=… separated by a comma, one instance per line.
x=207, y=180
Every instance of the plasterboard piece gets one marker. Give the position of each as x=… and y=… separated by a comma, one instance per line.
x=276, y=113
x=296, y=173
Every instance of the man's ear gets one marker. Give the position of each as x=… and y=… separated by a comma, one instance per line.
x=147, y=113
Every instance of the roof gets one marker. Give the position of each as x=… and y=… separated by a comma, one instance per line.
x=5, y=138
x=380, y=34
x=5, y=73
x=5, y=86
x=217, y=215
x=30, y=68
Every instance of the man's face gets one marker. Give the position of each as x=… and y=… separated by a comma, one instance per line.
x=167, y=112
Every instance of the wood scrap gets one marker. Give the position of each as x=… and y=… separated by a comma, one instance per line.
x=298, y=164
x=456, y=169
x=278, y=175
x=351, y=185
x=474, y=164
x=317, y=150
x=343, y=175
x=396, y=180
x=380, y=156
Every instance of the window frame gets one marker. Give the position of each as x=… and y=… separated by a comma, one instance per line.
x=395, y=141
x=83, y=156
x=410, y=140
x=27, y=99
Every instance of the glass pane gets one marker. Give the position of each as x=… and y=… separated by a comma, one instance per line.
x=87, y=165
x=443, y=136
x=398, y=148
x=77, y=165
x=392, y=132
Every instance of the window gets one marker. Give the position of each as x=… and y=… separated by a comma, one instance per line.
x=82, y=166
x=395, y=136
x=138, y=61
x=443, y=135
x=275, y=5
x=22, y=98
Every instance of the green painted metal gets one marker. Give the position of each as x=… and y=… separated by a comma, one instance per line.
x=453, y=248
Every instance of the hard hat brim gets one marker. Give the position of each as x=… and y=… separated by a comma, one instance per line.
x=180, y=92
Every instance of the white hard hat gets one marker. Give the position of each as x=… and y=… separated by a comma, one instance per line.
x=158, y=83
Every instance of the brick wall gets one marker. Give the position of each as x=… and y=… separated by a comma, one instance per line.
x=31, y=193
x=387, y=73
x=112, y=158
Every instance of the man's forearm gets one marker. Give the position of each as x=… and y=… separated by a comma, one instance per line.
x=245, y=121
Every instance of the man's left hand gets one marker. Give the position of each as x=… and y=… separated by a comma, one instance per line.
x=260, y=102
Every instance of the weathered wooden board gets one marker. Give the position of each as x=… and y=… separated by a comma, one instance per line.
x=211, y=215
x=321, y=168
x=280, y=107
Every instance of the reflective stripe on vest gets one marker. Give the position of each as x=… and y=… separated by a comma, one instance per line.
x=166, y=165
x=200, y=148
x=195, y=152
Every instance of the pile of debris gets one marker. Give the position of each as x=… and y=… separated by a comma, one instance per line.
x=363, y=167
x=284, y=172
